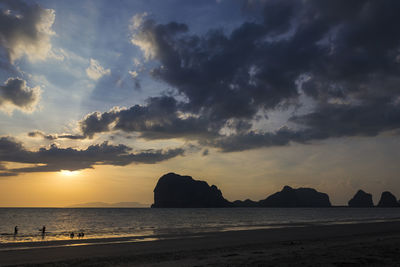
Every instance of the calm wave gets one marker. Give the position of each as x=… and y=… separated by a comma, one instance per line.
x=114, y=222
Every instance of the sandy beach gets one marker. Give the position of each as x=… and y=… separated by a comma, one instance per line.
x=372, y=244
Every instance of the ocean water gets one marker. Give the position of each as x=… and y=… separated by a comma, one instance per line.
x=145, y=222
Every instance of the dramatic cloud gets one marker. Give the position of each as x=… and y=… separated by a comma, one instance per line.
x=341, y=56
x=252, y=140
x=56, y=159
x=95, y=71
x=330, y=120
x=16, y=94
x=25, y=29
x=368, y=119
x=159, y=119
x=54, y=136
x=222, y=76
x=332, y=47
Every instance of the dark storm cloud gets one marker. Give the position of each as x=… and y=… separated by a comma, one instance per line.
x=330, y=120
x=337, y=120
x=56, y=159
x=342, y=46
x=158, y=119
x=25, y=29
x=343, y=55
x=253, y=140
x=18, y=94
x=216, y=72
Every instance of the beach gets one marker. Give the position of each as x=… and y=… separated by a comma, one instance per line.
x=374, y=244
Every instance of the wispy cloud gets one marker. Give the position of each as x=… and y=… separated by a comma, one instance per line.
x=95, y=71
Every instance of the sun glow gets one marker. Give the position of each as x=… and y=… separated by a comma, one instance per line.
x=68, y=173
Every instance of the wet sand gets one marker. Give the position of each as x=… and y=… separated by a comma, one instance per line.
x=366, y=244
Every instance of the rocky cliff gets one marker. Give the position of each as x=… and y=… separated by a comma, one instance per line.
x=176, y=191
x=388, y=200
x=300, y=197
x=361, y=199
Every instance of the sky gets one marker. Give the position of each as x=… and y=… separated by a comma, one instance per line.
x=98, y=99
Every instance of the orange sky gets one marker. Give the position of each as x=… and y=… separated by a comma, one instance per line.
x=337, y=168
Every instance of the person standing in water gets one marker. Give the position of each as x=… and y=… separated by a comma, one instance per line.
x=43, y=231
x=16, y=230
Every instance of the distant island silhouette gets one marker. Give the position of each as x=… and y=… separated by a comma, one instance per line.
x=109, y=205
x=290, y=197
x=177, y=191
x=300, y=197
x=388, y=200
x=361, y=200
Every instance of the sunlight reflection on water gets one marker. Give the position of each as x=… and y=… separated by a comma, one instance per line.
x=136, y=222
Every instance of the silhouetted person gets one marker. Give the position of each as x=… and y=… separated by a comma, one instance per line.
x=72, y=235
x=16, y=230
x=43, y=231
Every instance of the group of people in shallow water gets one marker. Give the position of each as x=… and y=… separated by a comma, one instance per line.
x=80, y=235
x=43, y=230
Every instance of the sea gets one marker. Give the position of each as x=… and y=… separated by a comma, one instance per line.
x=145, y=222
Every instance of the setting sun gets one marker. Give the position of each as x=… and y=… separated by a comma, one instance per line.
x=69, y=173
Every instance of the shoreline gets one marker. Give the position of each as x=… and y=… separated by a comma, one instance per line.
x=123, y=249
x=134, y=238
